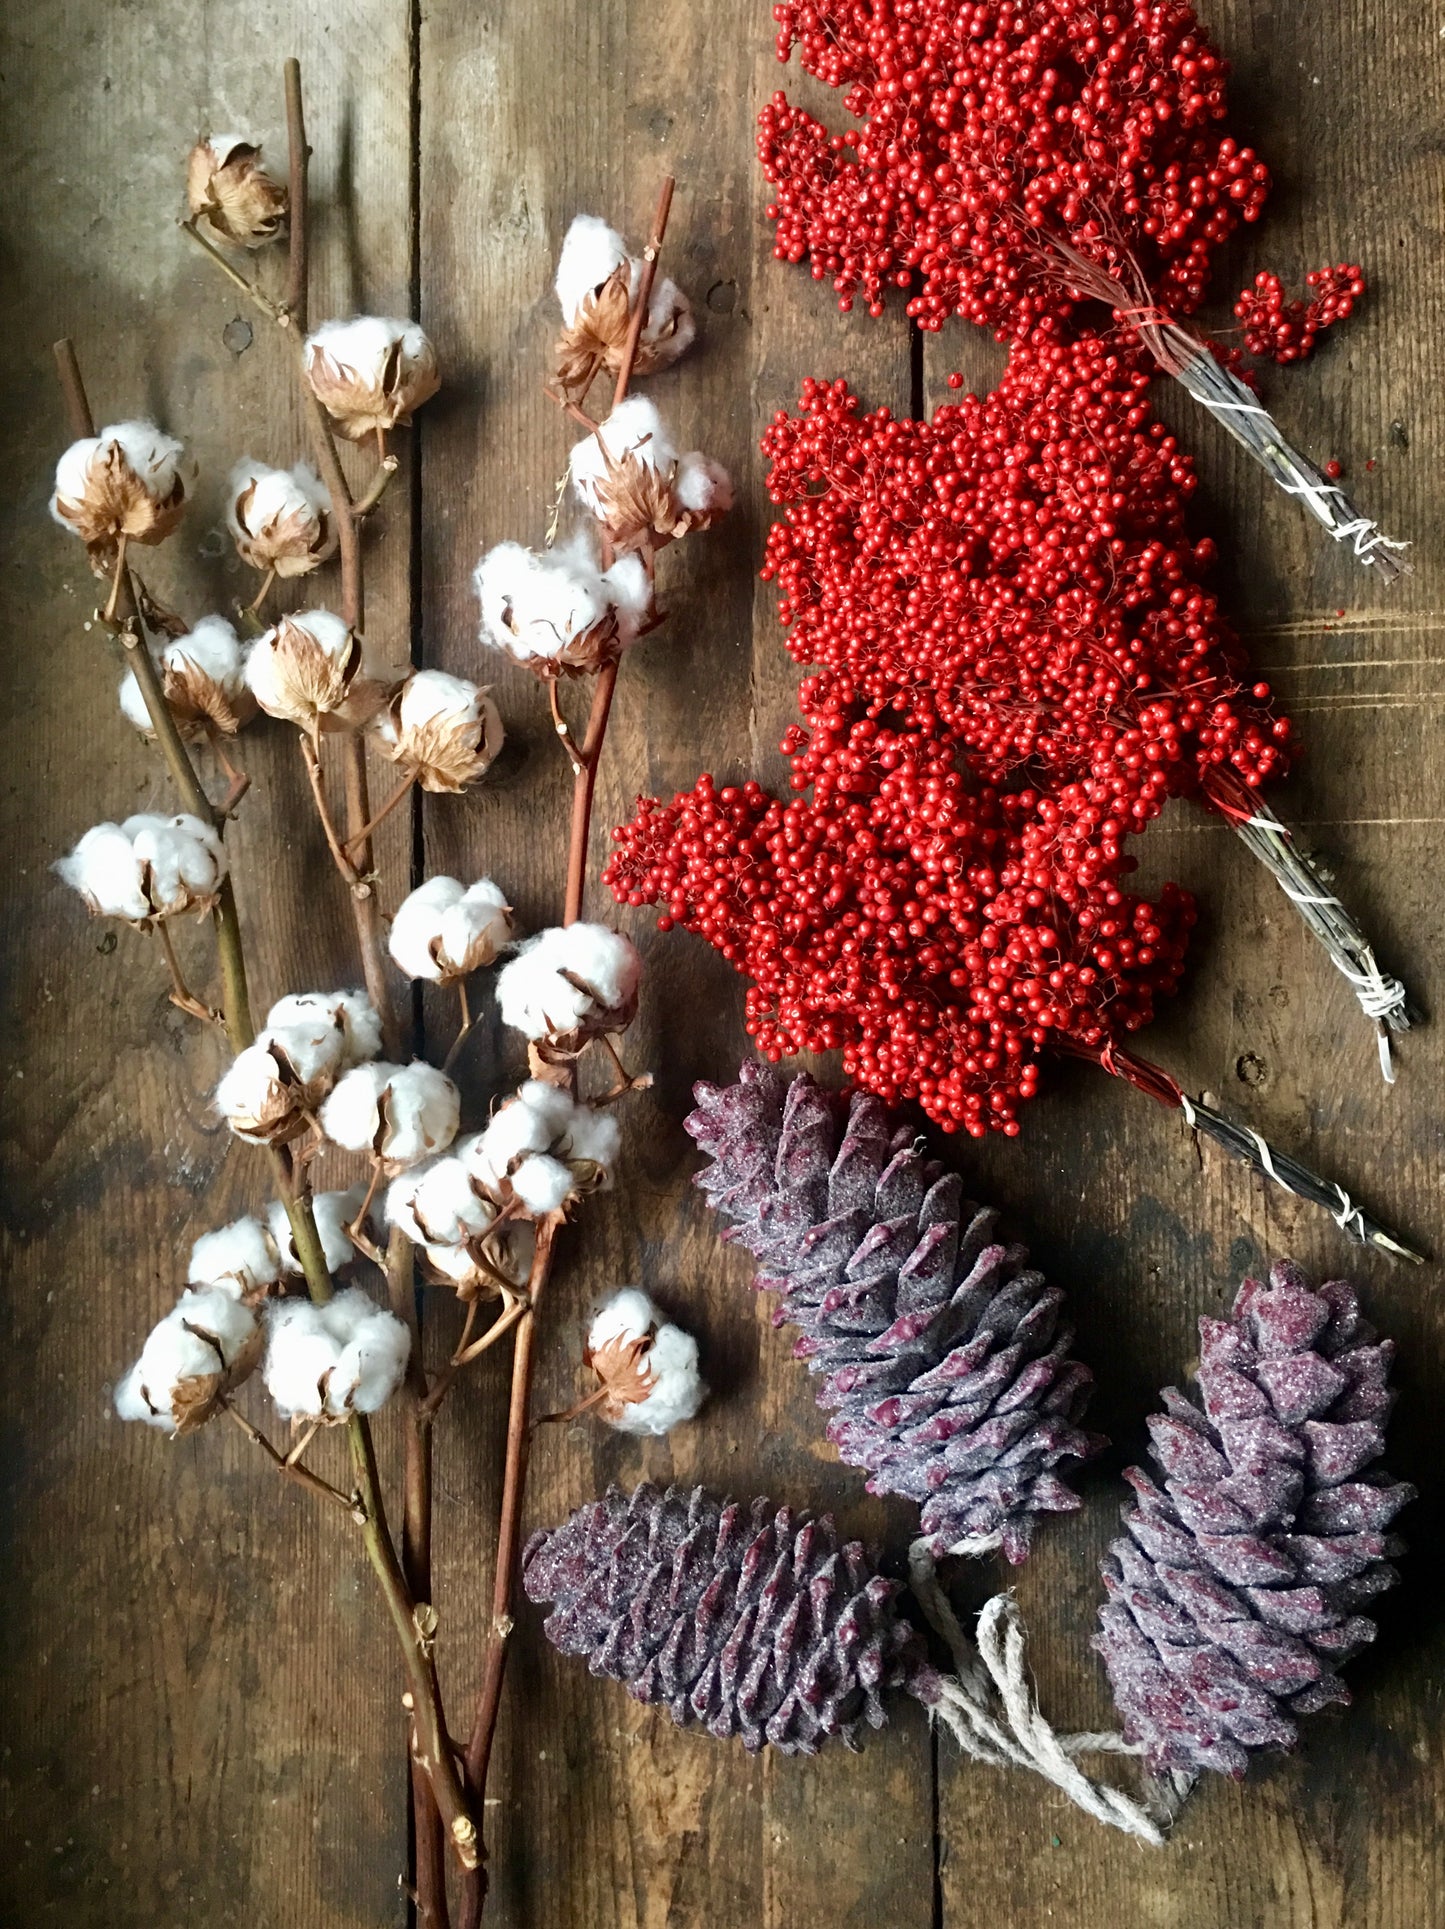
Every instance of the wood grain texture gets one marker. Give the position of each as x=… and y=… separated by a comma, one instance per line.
x=195, y=1684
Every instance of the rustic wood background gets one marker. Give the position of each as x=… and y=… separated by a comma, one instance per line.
x=199, y=1695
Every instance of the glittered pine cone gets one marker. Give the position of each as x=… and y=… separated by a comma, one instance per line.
x=943, y=1356
x=749, y=1622
x=1234, y=1599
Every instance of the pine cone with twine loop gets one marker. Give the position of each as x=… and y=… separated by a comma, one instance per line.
x=943, y=1355
x=1235, y=1598
x=754, y=1623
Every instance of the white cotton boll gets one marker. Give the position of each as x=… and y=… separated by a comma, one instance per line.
x=629, y=589
x=543, y=1184
x=130, y=480
x=628, y=1315
x=147, y=867
x=415, y=937
x=570, y=979
x=648, y=1365
x=333, y=1213
x=371, y=372
x=634, y=429
x=403, y=1112
x=444, y=728
x=240, y=1258
x=325, y=1362
x=523, y=1125
x=250, y=1094
x=351, y=1011
x=591, y=253
x=593, y=1137
x=311, y=1051
x=185, y=858
x=203, y=674
x=201, y=1347
x=536, y=604
x=278, y=518
x=431, y=694
x=677, y=1386
x=304, y=667
x=702, y=486
x=106, y=872
x=437, y=1204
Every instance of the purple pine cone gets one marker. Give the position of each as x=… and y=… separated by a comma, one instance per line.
x=943, y=1357
x=1234, y=1600
x=755, y=1623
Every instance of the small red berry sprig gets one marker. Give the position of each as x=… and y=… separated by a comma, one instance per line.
x=1286, y=331
x=1017, y=160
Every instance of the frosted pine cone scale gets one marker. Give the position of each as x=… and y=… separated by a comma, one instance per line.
x=752, y=1623
x=943, y=1356
x=1235, y=1598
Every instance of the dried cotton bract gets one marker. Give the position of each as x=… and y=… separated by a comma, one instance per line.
x=206, y=1345
x=146, y=868
x=647, y=1365
x=240, y=1259
x=597, y=282
x=228, y=189
x=203, y=677
x=370, y=373
x=629, y=474
x=279, y=518
x=309, y=669
x=131, y=480
x=556, y=612
x=543, y=1149
x=442, y=727
x=443, y=933
x=568, y=984
x=328, y=1362
x=399, y=1113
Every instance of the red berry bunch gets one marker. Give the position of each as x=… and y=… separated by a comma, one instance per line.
x=905, y=921
x=1015, y=578
x=987, y=127
x=1286, y=332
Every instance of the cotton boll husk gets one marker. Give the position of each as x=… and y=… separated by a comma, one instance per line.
x=309, y=667
x=702, y=486
x=131, y=480
x=438, y=1205
x=591, y=253
x=403, y=1112
x=671, y=326
x=351, y=1011
x=205, y=1345
x=543, y=1184
x=333, y=1212
x=677, y=1387
x=278, y=518
x=240, y=1258
x=203, y=678
x=106, y=872
x=262, y=1094
x=229, y=190
x=445, y=728
x=371, y=372
x=541, y=607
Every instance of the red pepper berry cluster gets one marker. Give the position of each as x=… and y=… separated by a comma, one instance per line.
x=1286, y=332
x=990, y=130
x=903, y=921
x=1015, y=578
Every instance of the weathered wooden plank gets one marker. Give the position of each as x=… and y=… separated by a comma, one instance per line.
x=1145, y=1231
x=193, y=1729
x=608, y=1815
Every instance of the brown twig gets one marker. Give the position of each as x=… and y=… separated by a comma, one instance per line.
x=514, y=1476
x=288, y=1465
x=298, y=159
x=235, y=997
x=397, y=796
x=311, y=757
x=181, y=994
